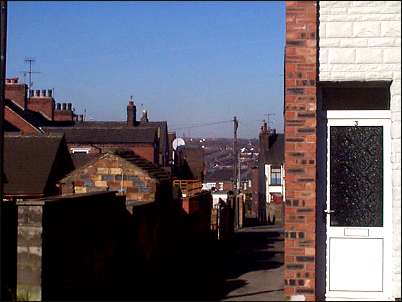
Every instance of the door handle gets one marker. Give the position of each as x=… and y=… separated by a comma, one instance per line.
x=329, y=212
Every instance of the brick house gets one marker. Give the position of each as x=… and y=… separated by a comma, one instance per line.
x=122, y=171
x=92, y=141
x=37, y=105
x=342, y=150
x=36, y=112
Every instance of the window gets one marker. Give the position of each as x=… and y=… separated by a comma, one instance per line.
x=276, y=177
x=79, y=150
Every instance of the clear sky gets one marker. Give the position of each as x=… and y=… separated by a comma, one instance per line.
x=189, y=63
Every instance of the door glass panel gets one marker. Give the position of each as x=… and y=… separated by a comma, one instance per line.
x=356, y=176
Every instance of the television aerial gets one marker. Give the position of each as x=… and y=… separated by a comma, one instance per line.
x=178, y=142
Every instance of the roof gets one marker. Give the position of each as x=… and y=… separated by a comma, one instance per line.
x=88, y=135
x=29, y=163
x=275, y=154
x=145, y=165
x=80, y=158
x=34, y=118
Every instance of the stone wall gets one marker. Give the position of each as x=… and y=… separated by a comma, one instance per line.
x=113, y=173
x=361, y=41
x=29, y=252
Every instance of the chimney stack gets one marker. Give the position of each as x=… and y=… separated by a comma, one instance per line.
x=131, y=114
x=144, y=117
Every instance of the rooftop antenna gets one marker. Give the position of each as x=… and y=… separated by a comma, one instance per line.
x=29, y=61
x=268, y=115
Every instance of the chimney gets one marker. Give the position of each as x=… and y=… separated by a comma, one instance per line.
x=43, y=92
x=50, y=93
x=64, y=106
x=144, y=117
x=69, y=106
x=31, y=92
x=58, y=106
x=131, y=114
x=37, y=92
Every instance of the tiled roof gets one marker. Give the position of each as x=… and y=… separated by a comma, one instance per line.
x=88, y=135
x=30, y=163
x=34, y=118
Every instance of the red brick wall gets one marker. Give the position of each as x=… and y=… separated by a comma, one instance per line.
x=300, y=147
x=43, y=105
x=16, y=120
x=63, y=115
x=17, y=93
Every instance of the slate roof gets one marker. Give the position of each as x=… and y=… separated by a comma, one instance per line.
x=162, y=125
x=30, y=163
x=86, y=135
x=80, y=158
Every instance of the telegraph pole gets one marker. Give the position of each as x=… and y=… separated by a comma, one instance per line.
x=3, y=40
x=235, y=148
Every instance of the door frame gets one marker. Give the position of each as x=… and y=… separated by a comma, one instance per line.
x=365, y=118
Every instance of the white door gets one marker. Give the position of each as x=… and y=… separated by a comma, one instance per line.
x=359, y=217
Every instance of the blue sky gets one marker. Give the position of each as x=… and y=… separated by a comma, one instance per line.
x=186, y=62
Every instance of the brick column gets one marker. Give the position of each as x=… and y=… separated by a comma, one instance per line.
x=300, y=148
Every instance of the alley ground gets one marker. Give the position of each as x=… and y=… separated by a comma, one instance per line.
x=253, y=272
x=247, y=268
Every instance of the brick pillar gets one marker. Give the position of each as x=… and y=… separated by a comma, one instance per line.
x=29, y=251
x=300, y=148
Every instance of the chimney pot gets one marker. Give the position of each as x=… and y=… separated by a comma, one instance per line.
x=43, y=92
x=69, y=106
x=81, y=117
x=31, y=92
x=58, y=106
x=50, y=93
x=37, y=92
x=64, y=106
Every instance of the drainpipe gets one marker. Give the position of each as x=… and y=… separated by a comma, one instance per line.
x=3, y=40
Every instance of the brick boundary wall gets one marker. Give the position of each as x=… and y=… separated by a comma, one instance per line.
x=300, y=149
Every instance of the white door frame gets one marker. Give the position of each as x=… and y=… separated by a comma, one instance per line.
x=366, y=118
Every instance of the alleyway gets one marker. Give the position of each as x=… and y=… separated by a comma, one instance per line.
x=253, y=271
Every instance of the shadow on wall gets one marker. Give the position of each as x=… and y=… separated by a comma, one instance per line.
x=93, y=248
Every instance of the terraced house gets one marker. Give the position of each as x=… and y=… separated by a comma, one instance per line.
x=343, y=150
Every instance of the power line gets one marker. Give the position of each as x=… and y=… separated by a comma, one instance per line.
x=203, y=125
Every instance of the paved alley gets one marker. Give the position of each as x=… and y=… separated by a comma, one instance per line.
x=254, y=269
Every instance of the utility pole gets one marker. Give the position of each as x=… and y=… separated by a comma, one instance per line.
x=3, y=48
x=235, y=148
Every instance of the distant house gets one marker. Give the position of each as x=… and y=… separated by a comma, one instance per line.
x=33, y=165
x=88, y=140
x=123, y=171
x=36, y=112
x=274, y=177
x=271, y=172
x=27, y=111
x=189, y=163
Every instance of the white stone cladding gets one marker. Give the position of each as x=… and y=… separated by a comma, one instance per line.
x=361, y=41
